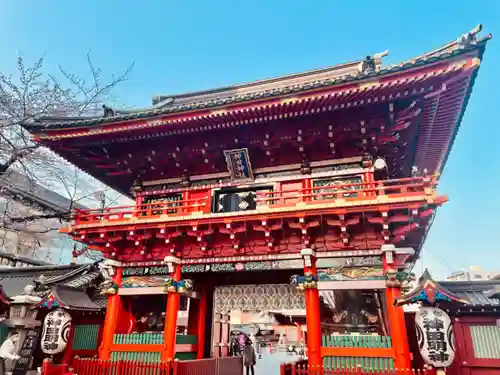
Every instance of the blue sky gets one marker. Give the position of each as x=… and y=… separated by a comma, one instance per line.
x=188, y=45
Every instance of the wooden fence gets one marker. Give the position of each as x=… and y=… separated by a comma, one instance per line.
x=365, y=352
x=302, y=368
x=210, y=366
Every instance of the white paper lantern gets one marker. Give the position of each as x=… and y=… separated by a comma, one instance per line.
x=56, y=327
x=435, y=336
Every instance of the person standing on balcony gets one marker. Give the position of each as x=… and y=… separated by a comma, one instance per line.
x=249, y=358
x=8, y=351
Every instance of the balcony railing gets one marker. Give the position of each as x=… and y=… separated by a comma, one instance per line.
x=144, y=211
x=357, y=191
x=337, y=193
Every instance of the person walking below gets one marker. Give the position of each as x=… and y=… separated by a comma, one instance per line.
x=249, y=358
x=8, y=351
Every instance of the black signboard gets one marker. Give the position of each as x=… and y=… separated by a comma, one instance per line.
x=21, y=366
x=170, y=201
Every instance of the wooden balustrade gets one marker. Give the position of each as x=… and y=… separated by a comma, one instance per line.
x=149, y=346
x=146, y=210
x=210, y=366
x=88, y=366
x=362, y=190
x=398, y=188
x=303, y=368
x=364, y=352
x=306, y=370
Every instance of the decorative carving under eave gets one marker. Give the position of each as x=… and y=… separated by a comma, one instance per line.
x=182, y=286
x=367, y=160
x=137, y=186
x=305, y=166
x=108, y=288
x=304, y=226
x=429, y=292
x=308, y=281
x=202, y=236
x=391, y=279
x=268, y=230
x=407, y=279
x=185, y=179
x=233, y=232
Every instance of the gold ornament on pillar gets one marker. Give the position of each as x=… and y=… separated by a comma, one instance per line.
x=182, y=286
x=391, y=278
x=308, y=281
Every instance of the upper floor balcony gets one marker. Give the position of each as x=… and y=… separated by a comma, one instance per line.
x=292, y=197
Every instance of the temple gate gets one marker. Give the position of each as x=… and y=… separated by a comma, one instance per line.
x=334, y=171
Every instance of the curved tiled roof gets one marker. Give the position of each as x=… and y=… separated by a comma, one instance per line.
x=17, y=184
x=470, y=293
x=13, y=280
x=341, y=74
x=70, y=298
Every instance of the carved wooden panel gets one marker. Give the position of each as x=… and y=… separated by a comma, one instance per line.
x=258, y=298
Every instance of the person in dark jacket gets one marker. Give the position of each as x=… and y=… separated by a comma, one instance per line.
x=235, y=347
x=249, y=358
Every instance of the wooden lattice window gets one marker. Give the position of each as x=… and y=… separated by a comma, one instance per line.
x=485, y=341
x=328, y=185
x=172, y=202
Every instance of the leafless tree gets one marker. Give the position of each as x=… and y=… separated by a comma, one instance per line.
x=26, y=95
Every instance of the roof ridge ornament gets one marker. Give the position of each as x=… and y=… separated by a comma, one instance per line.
x=469, y=38
x=108, y=111
x=371, y=64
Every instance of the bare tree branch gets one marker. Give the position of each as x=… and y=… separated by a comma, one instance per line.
x=25, y=95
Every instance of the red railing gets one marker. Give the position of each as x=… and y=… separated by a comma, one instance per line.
x=304, y=369
x=207, y=366
x=414, y=186
x=210, y=366
x=362, y=190
x=146, y=211
x=87, y=366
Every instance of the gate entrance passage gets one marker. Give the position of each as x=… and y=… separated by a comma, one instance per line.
x=257, y=311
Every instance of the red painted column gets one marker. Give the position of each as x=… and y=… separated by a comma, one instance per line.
x=170, y=332
x=369, y=179
x=397, y=326
x=202, y=318
x=68, y=353
x=110, y=320
x=313, y=318
x=193, y=316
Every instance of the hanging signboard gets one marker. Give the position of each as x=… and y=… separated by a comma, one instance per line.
x=22, y=365
x=56, y=327
x=435, y=336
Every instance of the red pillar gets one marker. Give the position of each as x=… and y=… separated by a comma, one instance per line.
x=196, y=320
x=369, y=179
x=397, y=326
x=193, y=316
x=202, y=318
x=170, y=332
x=313, y=318
x=110, y=320
x=68, y=353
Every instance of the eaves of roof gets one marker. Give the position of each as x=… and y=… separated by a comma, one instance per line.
x=71, y=298
x=19, y=184
x=13, y=280
x=46, y=124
